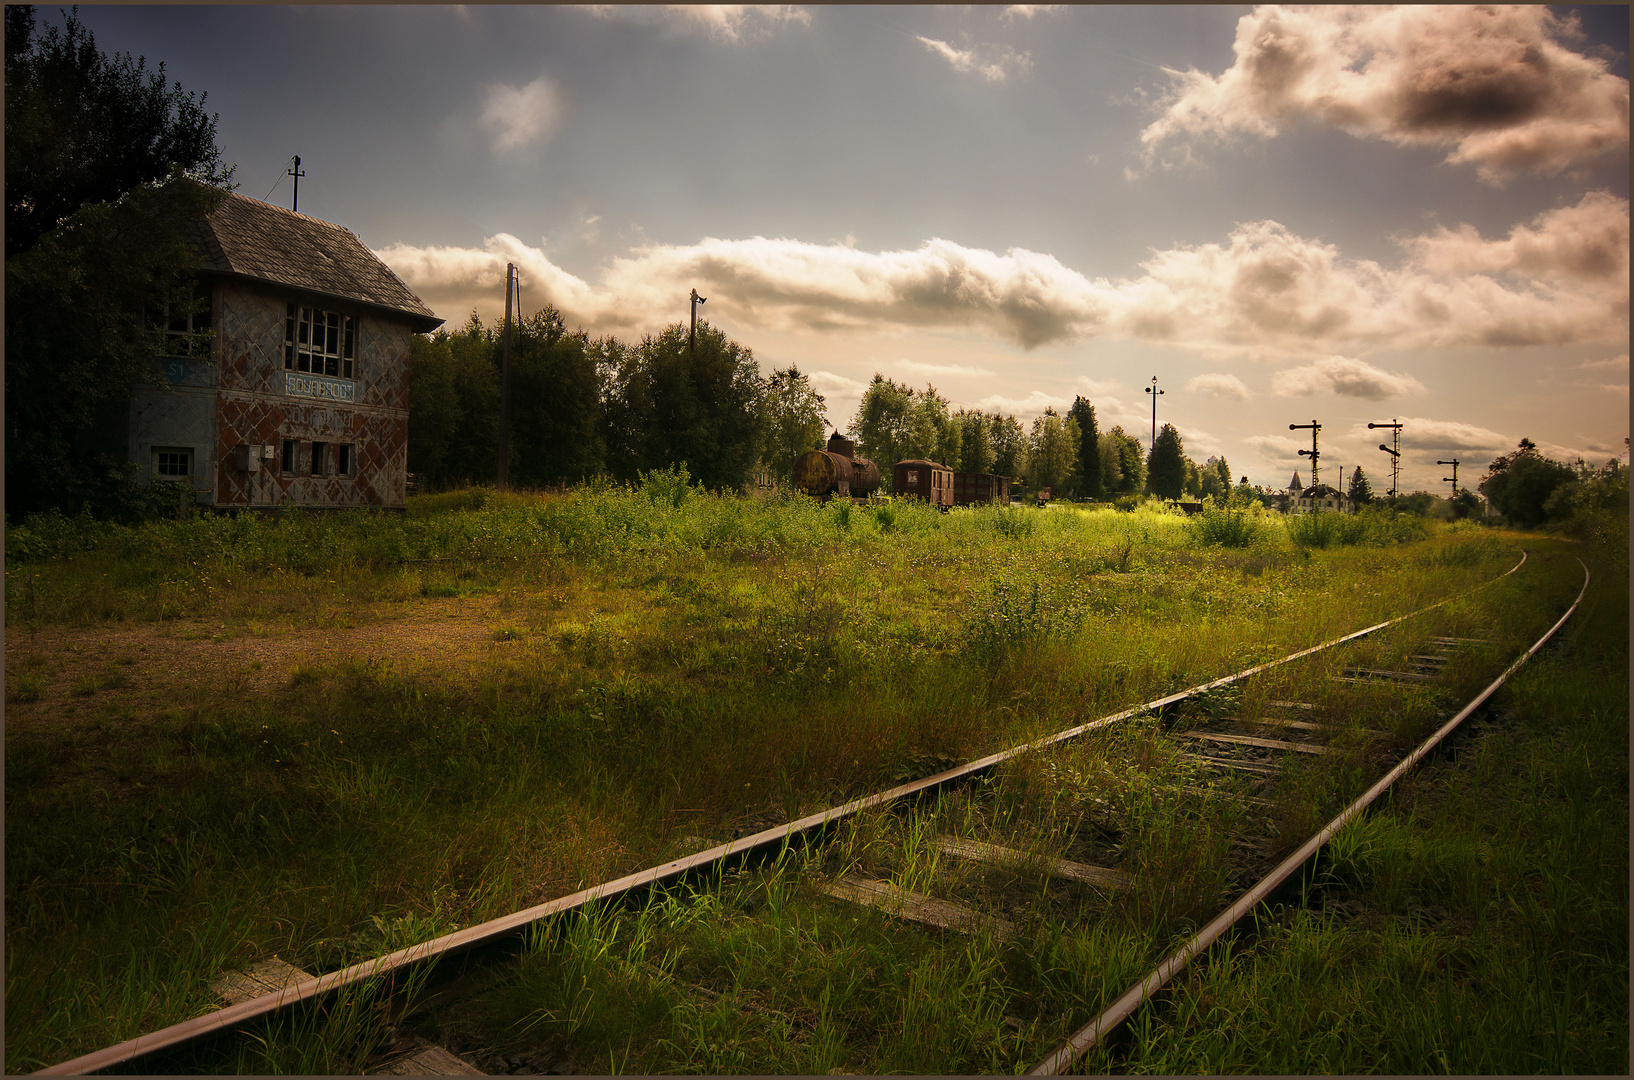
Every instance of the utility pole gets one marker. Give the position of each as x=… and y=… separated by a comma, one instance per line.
x=1156, y=393
x=295, y=171
x=1395, y=453
x=1311, y=453
x=505, y=376
x=1453, y=477
x=692, y=337
x=1341, y=499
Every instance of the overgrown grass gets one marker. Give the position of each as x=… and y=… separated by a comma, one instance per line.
x=656, y=663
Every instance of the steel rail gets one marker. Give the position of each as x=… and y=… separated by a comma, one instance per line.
x=1090, y=1034
x=213, y=1023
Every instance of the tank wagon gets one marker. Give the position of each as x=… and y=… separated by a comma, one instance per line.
x=836, y=471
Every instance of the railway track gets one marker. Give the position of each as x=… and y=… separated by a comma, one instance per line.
x=1232, y=744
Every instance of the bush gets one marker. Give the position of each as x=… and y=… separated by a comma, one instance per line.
x=1326, y=530
x=1225, y=528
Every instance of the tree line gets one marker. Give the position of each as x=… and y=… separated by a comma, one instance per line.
x=1065, y=452
x=584, y=406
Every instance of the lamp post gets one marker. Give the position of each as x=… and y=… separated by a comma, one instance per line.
x=692, y=336
x=1156, y=393
x=1395, y=453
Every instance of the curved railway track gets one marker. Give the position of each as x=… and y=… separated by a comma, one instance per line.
x=1234, y=758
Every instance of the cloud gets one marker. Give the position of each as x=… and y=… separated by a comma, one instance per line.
x=995, y=63
x=1422, y=434
x=936, y=371
x=1264, y=292
x=1099, y=386
x=1495, y=84
x=724, y=22
x=1217, y=384
x=1025, y=408
x=518, y=117
x=1344, y=377
x=1027, y=11
x=1615, y=363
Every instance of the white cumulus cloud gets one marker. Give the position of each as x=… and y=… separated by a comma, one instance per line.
x=1218, y=384
x=521, y=116
x=1345, y=377
x=1498, y=85
x=1263, y=292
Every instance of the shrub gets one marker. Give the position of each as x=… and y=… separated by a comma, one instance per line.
x=1326, y=530
x=1225, y=528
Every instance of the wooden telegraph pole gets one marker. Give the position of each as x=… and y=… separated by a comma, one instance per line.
x=505, y=376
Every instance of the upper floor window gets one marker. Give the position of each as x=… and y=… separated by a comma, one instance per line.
x=186, y=324
x=318, y=341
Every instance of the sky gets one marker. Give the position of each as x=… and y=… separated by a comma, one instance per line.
x=1283, y=215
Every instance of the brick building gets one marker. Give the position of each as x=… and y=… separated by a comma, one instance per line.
x=294, y=388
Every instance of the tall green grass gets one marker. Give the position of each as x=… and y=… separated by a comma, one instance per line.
x=664, y=663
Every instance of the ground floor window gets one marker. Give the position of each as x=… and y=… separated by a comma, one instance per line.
x=289, y=457
x=172, y=462
x=344, y=459
x=320, y=459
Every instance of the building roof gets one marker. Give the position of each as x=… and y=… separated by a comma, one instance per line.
x=1295, y=485
x=249, y=238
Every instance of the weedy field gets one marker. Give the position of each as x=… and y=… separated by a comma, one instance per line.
x=324, y=736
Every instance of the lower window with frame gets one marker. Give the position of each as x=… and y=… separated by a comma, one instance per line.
x=172, y=462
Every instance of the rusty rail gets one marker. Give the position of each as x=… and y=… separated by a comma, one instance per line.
x=1090, y=1034
x=214, y=1023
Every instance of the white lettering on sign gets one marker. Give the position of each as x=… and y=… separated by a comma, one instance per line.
x=319, y=386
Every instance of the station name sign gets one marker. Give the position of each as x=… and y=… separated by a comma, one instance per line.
x=319, y=386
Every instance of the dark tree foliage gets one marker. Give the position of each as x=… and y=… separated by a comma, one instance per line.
x=1166, y=466
x=83, y=326
x=1089, y=448
x=1519, y=483
x=665, y=406
x=556, y=429
x=1361, y=489
x=83, y=127
x=884, y=424
x=975, y=441
x=453, y=435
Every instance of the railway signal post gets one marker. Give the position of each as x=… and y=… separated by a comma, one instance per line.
x=1395, y=453
x=1454, y=477
x=1311, y=453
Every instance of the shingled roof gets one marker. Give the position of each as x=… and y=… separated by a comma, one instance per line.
x=246, y=237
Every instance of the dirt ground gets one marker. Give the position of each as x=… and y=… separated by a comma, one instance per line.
x=76, y=674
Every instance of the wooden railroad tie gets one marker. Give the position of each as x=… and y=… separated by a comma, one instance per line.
x=1248, y=740
x=1003, y=856
x=916, y=907
x=271, y=976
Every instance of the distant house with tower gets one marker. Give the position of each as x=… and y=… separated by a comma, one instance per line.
x=291, y=387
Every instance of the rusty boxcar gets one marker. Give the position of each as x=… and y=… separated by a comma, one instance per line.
x=980, y=489
x=920, y=479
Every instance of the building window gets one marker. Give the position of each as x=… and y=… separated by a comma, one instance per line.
x=318, y=341
x=320, y=454
x=172, y=462
x=289, y=457
x=343, y=459
x=186, y=324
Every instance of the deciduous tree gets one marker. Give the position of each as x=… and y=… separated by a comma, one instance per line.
x=793, y=420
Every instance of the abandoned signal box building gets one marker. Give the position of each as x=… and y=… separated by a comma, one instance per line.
x=292, y=386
